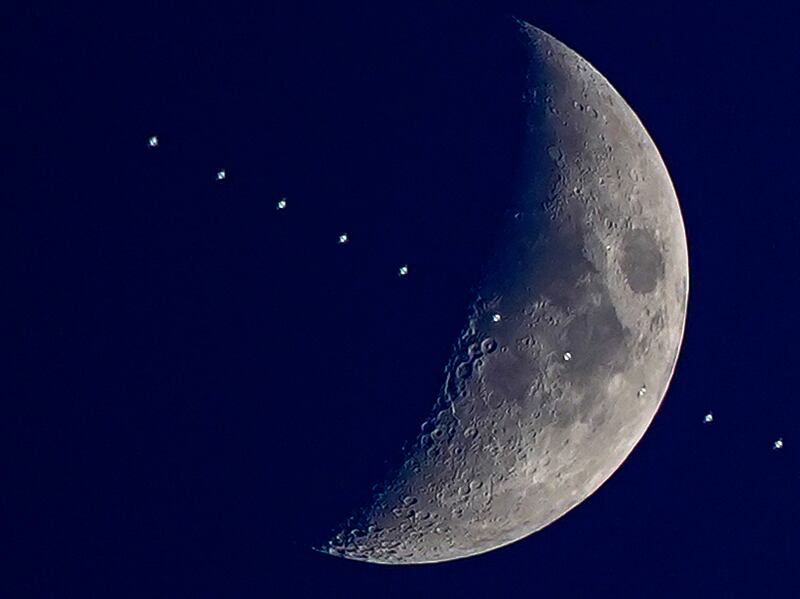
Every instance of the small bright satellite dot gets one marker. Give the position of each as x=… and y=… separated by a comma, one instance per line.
x=221, y=175
x=343, y=238
x=152, y=141
x=282, y=204
x=496, y=317
x=567, y=356
x=708, y=418
x=403, y=270
x=642, y=391
x=778, y=444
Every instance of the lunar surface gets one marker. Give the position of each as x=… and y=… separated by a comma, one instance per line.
x=569, y=347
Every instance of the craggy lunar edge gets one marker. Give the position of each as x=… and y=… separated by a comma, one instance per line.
x=570, y=346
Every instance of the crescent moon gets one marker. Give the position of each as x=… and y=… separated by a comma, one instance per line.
x=569, y=347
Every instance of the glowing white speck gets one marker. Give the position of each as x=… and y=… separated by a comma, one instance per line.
x=608, y=248
x=152, y=141
x=708, y=418
x=567, y=356
x=281, y=204
x=778, y=444
x=403, y=270
x=343, y=238
x=496, y=317
x=642, y=391
x=221, y=175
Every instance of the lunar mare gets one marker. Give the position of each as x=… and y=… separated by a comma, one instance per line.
x=541, y=405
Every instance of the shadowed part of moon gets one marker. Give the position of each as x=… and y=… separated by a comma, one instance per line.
x=569, y=345
x=642, y=261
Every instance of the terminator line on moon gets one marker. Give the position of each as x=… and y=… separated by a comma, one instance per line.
x=568, y=349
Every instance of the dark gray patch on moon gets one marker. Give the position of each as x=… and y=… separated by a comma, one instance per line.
x=642, y=261
x=596, y=340
x=558, y=280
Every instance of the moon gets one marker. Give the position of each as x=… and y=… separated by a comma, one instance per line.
x=569, y=346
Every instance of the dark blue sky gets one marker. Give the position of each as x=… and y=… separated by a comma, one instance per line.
x=200, y=386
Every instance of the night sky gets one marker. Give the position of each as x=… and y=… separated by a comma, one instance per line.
x=201, y=385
